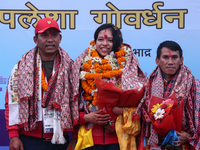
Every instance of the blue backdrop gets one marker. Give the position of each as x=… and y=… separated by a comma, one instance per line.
x=144, y=24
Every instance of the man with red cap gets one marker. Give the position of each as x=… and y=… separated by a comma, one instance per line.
x=39, y=110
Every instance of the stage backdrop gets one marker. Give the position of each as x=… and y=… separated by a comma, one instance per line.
x=144, y=24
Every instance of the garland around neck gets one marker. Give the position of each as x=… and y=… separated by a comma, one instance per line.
x=107, y=68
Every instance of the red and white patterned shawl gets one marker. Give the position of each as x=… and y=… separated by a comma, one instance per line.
x=187, y=89
x=131, y=76
x=60, y=97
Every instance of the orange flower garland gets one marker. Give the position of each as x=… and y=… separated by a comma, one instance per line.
x=96, y=67
x=44, y=84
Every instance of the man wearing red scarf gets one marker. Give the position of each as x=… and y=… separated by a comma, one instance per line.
x=168, y=78
x=39, y=108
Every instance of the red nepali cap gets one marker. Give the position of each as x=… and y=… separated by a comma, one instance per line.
x=46, y=23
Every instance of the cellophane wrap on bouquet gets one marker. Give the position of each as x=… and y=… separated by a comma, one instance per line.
x=165, y=114
x=109, y=95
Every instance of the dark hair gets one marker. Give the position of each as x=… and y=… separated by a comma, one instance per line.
x=117, y=35
x=171, y=45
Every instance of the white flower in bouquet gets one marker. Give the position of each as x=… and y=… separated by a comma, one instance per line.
x=159, y=113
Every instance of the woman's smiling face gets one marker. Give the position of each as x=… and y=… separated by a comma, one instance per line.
x=104, y=42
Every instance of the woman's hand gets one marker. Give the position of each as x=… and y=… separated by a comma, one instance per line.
x=97, y=118
x=117, y=110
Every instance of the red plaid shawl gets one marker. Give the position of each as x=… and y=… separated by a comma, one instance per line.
x=187, y=89
x=58, y=93
x=132, y=74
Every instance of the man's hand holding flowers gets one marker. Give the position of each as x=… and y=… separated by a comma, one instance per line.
x=162, y=111
x=183, y=138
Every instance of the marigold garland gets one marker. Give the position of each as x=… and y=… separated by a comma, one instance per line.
x=121, y=59
x=43, y=82
x=86, y=87
x=86, y=66
x=120, y=53
x=92, y=42
x=104, y=68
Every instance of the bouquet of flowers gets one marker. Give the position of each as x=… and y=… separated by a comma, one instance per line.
x=165, y=114
x=109, y=95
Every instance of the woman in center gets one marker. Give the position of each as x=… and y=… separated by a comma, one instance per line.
x=109, y=59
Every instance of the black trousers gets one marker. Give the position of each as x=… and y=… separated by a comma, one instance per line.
x=34, y=143
x=104, y=147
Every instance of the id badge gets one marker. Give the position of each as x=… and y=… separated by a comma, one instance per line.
x=48, y=117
